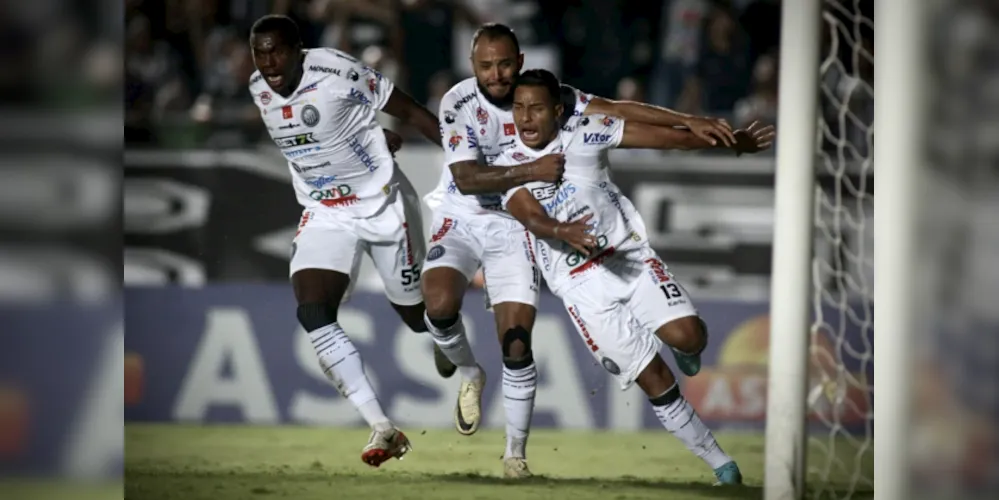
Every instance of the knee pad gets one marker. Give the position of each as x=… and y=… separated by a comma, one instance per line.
x=315, y=316
x=512, y=335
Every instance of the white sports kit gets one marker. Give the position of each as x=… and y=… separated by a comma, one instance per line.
x=472, y=231
x=356, y=200
x=619, y=295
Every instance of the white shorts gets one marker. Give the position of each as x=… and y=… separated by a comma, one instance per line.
x=498, y=244
x=618, y=310
x=332, y=239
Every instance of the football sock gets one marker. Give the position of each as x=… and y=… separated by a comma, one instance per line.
x=342, y=364
x=449, y=334
x=519, y=387
x=680, y=419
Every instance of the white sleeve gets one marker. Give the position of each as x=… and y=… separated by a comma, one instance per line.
x=460, y=141
x=575, y=100
x=597, y=133
x=365, y=85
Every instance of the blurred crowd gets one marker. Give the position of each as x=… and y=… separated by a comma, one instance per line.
x=188, y=61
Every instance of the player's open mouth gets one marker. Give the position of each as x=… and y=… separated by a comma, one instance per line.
x=529, y=135
x=275, y=81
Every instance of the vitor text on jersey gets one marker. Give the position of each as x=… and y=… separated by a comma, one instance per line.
x=336, y=196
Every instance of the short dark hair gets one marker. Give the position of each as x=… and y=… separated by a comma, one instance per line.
x=541, y=78
x=284, y=26
x=493, y=31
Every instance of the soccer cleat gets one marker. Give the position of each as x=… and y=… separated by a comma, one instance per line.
x=468, y=410
x=445, y=368
x=689, y=364
x=383, y=445
x=728, y=474
x=516, y=468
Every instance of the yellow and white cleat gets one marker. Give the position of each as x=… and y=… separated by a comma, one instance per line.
x=385, y=444
x=516, y=468
x=468, y=410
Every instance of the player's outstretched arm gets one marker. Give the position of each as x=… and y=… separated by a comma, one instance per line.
x=412, y=113
x=711, y=130
x=522, y=205
x=637, y=135
x=473, y=178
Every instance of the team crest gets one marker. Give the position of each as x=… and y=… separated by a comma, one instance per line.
x=517, y=155
x=482, y=116
x=454, y=141
x=607, y=121
x=310, y=115
x=265, y=98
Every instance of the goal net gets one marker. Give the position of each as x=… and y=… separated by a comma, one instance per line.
x=840, y=382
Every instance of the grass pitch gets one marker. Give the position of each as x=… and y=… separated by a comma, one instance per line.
x=240, y=462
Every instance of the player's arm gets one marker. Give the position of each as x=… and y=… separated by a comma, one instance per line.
x=522, y=205
x=644, y=136
x=708, y=129
x=471, y=177
x=413, y=114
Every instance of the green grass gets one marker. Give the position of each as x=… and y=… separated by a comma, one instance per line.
x=240, y=462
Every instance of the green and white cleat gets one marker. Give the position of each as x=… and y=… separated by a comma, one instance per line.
x=728, y=475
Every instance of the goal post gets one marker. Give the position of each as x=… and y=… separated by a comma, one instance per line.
x=790, y=289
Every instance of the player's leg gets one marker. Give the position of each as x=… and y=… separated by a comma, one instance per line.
x=661, y=305
x=687, y=336
x=512, y=281
x=399, y=262
x=452, y=259
x=325, y=253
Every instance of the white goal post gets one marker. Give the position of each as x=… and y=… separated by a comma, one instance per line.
x=900, y=112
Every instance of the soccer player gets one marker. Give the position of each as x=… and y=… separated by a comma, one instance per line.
x=467, y=232
x=595, y=254
x=319, y=106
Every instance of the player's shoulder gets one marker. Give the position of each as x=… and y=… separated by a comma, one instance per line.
x=594, y=130
x=330, y=57
x=256, y=79
x=460, y=94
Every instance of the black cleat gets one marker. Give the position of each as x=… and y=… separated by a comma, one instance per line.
x=445, y=368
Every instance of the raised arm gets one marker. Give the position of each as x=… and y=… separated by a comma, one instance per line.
x=710, y=130
x=644, y=136
x=526, y=209
x=413, y=114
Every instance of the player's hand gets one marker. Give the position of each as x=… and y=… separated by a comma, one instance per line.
x=577, y=234
x=712, y=130
x=393, y=139
x=549, y=168
x=754, y=138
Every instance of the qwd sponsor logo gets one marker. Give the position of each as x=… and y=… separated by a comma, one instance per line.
x=324, y=69
x=336, y=196
x=292, y=141
x=362, y=154
x=576, y=257
x=358, y=95
x=320, y=181
x=563, y=194
x=596, y=138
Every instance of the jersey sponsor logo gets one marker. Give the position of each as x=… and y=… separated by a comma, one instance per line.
x=509, y=129
x=362, y=154
x=299, y=152
x=289, y=126
x=610, y=366
x=446, y=226
x=287, y=113
x=578, y=213
x=311, y=88
x=305, y=220
x=265, y=98
x=435, y=252
x=607, y=121
x=504, y=145
x=455, y=140
x=557, y=199
x=657, y=271
x=292, y=141
x=473, y=141
x=345, y=57
x=582, y=263
x=310, y=115
x=596, y=138
x=615, y=199
x=373, y=85
x=320, y=181
x=452, y=187
x=464, y=100
x=517, y=155
x=409, y=254
x=450, y=116
x=353, y=75
x=256, y=78
x=544, y=192
x=358, y=95
x=336, y=196
x=324, y=69
x=299, y=168
x=482, y=116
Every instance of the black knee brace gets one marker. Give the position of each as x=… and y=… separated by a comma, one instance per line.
x=668, y=397
x=444, y=323
x=512, y=335
x=315, y=316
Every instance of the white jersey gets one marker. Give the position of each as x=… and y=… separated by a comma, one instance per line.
x=327, y=129
x=586, y=189
x=472, y=128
